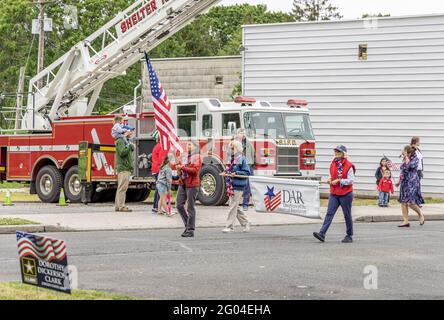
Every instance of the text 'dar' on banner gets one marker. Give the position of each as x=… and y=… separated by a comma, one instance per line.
x=287, y=196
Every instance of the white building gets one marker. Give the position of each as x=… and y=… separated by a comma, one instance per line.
x=201, y=77
x=371, y=85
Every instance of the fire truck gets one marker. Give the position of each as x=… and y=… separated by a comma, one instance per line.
x=50, y=139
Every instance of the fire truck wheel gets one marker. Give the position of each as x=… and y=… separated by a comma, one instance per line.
x=73, y=185
x=48, y=183
x=212, y=186
x=137, y=195
x=224, y=199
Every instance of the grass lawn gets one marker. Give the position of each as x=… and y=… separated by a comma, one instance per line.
x=26, y=197
x=13, y=185
x=15, y=222
x=19, y=197
x=19, y=291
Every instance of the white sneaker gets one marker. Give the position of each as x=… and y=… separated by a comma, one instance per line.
x=247, y=227
x=228, y=230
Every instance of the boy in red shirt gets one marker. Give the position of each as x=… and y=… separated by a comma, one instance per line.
x=385, y=187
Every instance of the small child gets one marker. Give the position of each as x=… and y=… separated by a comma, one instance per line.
x=385, y=187
x=163, y=184
x=119, y=130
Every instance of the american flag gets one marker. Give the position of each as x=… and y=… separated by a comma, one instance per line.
x=392, y=166
x=39, y=247
x=162, y=107
x=272, y=200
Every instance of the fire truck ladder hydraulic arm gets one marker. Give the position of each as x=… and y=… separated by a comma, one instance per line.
x=102, y=56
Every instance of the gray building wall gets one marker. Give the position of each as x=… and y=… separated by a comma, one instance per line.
x=372, y=106
x=195, y=77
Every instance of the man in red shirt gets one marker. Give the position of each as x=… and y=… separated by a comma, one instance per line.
x=157, y=157
x=189, y=183
x=385, y=187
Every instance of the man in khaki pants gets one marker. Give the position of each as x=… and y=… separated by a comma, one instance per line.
x=125, y=167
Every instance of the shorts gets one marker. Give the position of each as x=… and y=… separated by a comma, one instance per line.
x=161, y=188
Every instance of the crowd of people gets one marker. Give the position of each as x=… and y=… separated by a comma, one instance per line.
x=342, y=175
x=241, y=157
x=186, y=168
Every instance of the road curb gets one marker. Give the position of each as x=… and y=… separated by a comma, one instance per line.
x=48, y=228
x=31, y=229
x=398, y=218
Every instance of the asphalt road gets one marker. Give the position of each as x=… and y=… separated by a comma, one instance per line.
x=283, y=262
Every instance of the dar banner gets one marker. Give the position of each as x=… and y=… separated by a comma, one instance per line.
x=43, y=262
x=288, y=196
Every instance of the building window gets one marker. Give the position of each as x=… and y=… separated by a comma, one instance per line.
x=219, y=80
x=186, y=120
x=207, y=125
x=230, y=123
x=362, y=52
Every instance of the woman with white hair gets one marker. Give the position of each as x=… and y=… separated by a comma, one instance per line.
x=235, y=187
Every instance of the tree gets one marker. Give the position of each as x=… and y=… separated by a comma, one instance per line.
x=219, y=32
x=314, y=10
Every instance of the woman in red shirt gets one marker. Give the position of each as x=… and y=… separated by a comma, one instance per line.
x=342, y=174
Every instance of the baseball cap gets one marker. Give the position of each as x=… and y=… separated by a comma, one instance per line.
x=341, y=148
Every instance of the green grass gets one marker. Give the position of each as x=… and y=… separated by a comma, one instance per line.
x=15, y=222
x=13, y=185
x=19, y=291
x=433, y=200
x=19, y=197
x=374, y=202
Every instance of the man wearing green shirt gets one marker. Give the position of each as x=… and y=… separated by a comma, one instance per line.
x=125, y=168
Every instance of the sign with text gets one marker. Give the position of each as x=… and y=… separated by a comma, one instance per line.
x=43, y=262
x=141, y=14
x=288, y=196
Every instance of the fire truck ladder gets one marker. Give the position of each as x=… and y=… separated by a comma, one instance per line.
x=106, y=54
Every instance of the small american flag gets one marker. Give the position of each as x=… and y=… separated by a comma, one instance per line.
x=272, y=200
x=392, y=166
x=162, y=107
x=40, y=247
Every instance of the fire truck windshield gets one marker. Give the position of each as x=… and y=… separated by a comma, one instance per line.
x=278, y=125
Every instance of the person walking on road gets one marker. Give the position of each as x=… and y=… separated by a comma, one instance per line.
x=410, y=190
x=342, y=175
x=189, y=183
x=157, y=156
x=235, y=187
x=124, y=169
x=250, y=156
x=163, y=185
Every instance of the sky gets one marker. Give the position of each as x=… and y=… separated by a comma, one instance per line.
x=352, y=9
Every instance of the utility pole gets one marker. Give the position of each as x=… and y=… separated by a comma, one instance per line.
x=41, y=57
x=41, y=54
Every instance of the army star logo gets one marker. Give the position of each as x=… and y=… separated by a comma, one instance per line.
x=29, y=267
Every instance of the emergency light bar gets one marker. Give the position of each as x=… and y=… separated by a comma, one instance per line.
x=245, y=101
x=294, y=103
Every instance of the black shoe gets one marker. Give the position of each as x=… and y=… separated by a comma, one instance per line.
x=347, y=239
x=188, y=234
x=319, y=236
x=404, y=225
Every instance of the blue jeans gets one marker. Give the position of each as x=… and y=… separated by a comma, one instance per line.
x=345, y=202
x=383, y=198
x=156, y=195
